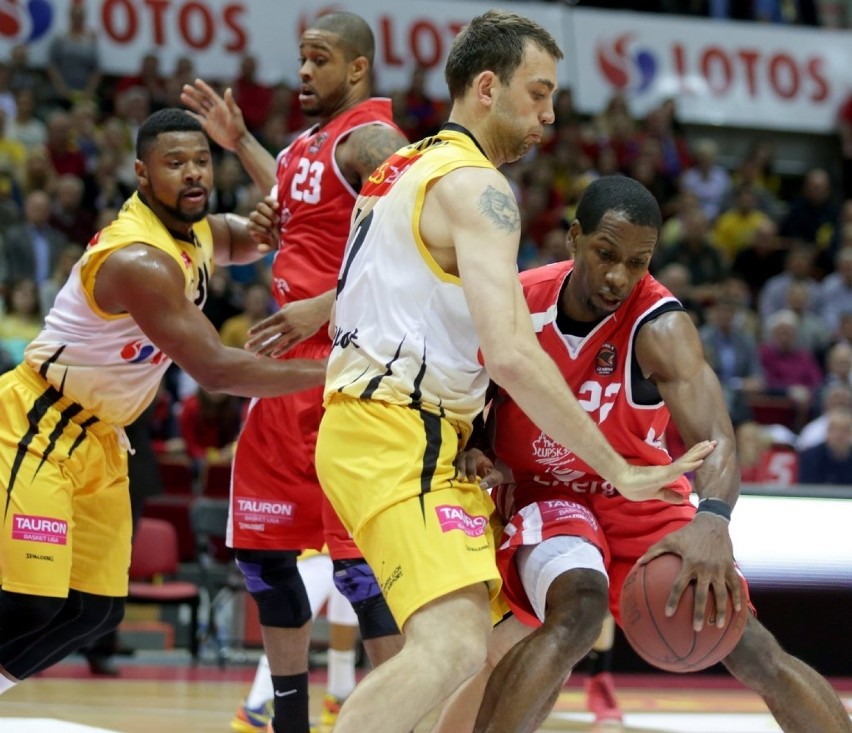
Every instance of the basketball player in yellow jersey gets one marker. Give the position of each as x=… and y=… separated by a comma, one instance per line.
x=131, y=305
x=428, y=293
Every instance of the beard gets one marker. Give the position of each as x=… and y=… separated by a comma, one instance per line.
x=513, y=137
x=178, y=213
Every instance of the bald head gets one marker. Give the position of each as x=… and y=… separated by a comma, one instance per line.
x=355, y=37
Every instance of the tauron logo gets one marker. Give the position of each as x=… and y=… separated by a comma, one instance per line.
x=626, y=68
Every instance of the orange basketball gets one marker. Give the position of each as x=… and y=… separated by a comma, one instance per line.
x=671, y=643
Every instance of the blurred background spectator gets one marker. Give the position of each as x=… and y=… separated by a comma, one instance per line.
x=790, y=370
x=830, y=462
x=32, y=248
x=73, y=65
x=732, y=352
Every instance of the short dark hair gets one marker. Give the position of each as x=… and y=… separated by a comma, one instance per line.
x=356, y=37
x=621, y=195
x=494, y=41
x=170, y=119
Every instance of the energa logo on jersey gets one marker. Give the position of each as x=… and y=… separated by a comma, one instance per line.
x=25, y=21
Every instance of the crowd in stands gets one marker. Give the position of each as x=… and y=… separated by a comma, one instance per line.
x=762, y=262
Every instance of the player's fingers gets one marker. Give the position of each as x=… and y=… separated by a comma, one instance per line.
x=493, y=477
x=720, y=595
x=735, y=589
x=276, y=323
x=203, y=87
x=670, y=496
x=699, y=611
x=700, y=450
x=678, y=587
x=466, y=466
x=188, y=98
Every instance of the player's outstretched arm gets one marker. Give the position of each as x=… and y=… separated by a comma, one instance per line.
x=669, y=352
x=223, y=121
x=236, y=241
x=148, y=284
x=474, y=211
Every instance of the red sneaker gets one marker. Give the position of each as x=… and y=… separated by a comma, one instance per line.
x=600, y=698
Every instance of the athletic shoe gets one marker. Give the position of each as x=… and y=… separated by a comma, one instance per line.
x=330, y=710
x=252, y=720
x=600, y=698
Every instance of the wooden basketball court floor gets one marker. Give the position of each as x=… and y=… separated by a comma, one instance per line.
x=162, y=697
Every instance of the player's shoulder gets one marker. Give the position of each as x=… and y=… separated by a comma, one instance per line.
x=546, y=274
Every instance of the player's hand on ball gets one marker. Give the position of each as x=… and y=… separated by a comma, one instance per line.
x=705, y=548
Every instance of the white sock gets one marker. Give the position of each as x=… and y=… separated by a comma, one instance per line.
x=261, y=688
x=341, y=673
x=6, y=684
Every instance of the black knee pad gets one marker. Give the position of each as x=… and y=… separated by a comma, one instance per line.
x=357, y=583
x=101, y=614
x=274, y=582
x=73, y=622
x=21, y=613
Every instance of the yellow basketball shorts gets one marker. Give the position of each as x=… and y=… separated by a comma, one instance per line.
x=389, y=472
x=65, y=520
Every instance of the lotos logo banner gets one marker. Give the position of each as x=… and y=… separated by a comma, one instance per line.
x=627, y=67
x=25, y=21
x=721, y=73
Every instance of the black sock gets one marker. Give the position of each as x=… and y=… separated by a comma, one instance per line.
x=598, y=662
x=291, y=703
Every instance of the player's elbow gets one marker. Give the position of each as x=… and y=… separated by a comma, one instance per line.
x=506, y=366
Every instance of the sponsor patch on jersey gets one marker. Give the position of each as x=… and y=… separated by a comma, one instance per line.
x=606, y=360
x=318, y=142
x=39, y=529
x=138, y=351
x=454, y=517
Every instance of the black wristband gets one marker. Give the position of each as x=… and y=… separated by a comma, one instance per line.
x=717, y=507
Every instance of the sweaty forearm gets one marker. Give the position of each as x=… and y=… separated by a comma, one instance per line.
x=719, y=476
x=253, y=376
x=258, y=162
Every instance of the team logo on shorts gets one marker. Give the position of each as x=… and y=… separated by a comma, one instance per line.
x=606, y=360
x=454, y=517
x=39, y=529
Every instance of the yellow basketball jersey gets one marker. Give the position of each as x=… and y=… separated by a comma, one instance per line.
x=104, y=361
x=403, y=331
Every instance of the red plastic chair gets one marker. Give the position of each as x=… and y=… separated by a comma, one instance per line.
x=216, y=480
x=154, y=560
x=176, y=474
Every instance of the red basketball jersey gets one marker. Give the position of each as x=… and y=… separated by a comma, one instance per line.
x=601, y=371
x=315, y=203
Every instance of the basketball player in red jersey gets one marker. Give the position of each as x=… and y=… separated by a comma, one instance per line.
x=277, y=506
x=632, y=356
